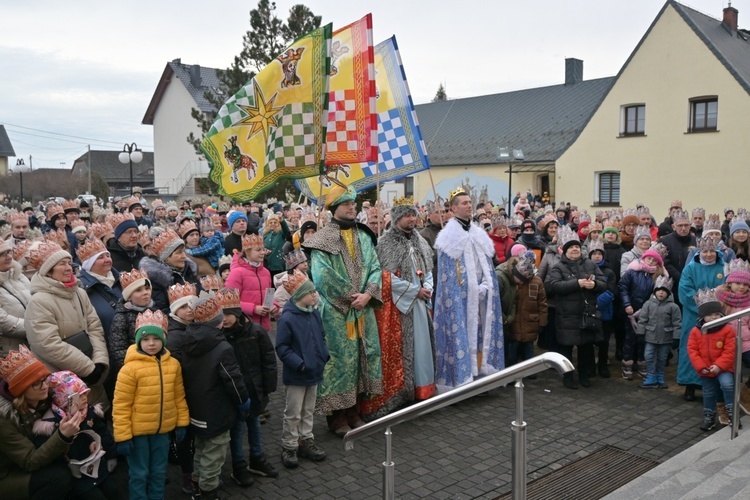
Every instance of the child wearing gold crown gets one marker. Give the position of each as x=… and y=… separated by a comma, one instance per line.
x=712, y=356
x=149, y=403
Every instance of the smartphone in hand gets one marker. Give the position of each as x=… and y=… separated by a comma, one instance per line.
x=73, y=404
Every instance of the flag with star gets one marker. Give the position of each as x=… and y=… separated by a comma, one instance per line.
x=401, y=149
x=274, y=126
x=351, y=133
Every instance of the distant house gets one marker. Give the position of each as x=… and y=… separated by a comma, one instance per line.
x=114, y=173
x=180, y=88
x=463, y=136
x=6, y=151
x=674, y=123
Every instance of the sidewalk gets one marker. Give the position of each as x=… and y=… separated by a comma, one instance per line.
x=463, y=452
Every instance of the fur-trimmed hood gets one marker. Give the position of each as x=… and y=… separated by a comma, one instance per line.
x=14, y=273
x=453, y=240
x=161, y=273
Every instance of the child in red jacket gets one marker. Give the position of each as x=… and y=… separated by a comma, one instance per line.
x=712, y=355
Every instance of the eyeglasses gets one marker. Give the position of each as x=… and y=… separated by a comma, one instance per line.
x=39, y=383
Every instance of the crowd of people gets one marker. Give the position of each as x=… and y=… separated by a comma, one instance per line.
x=140, y=331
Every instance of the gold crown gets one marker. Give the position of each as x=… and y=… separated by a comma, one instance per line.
x=127, y=279
x=211, y=282
x=208, y=308
x=179, y=291
x=252, y=241
x=89, y=249
x=660, y=248
x=676, y=204
x=713, y=223
x=151, y=318
x=458, y=191
x=100, y=229
x=16, y=362
x=186, y=226
x=403, y=201
x=40, y=252
x=225, y=259
x=129, y=202
x=70, y=205
x=53, y=209
x=19, y=251
x=229, y=298
x=143, y=239
x=59, y=236
x=115, y=220
x=163, y=240
x=19, y=217
x=294, y=280
x=699, y=211
x=663, y=282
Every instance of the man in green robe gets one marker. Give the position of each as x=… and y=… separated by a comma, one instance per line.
x=346, y=273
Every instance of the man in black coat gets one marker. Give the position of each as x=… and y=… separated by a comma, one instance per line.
x=666, y=227
x=124, y=248
x=678, y=245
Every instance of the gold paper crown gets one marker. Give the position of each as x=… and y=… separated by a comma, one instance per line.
x=115, y=220
x=53, y=209
x=596, y=245
x=207, y=309
x=163, y=240
x=179, y=291
x=18, y=217
x=186, y=226
x=252, y=241
x=595, y=226
x=100, y=229
x=151, y=318
x=19, y=251
x=16, y=362
x=713, y=223
x=707, y=243
x=129, y=202
x=59, y=236
x=70, y=205
x=143, y=239
x=229, y=298
x=127, y=279
x=456, y=192
x=295, y=258
x=225, y=259
x=705, y=295
x=680, y=215
x=37, y=254
x=89, y=249
x=403, y=201
x=736, y=265
x=294, y=280
x=211, y=282
x=676, y=204
x=660, y=248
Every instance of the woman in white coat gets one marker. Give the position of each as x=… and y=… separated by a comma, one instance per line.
x=14, y=298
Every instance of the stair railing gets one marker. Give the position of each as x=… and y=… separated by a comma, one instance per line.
x=515, y=373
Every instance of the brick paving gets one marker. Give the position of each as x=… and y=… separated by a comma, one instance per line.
x=463, y=451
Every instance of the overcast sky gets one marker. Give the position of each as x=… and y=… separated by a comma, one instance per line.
x=89, y=68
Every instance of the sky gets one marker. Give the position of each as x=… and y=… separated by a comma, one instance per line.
x=81, y=73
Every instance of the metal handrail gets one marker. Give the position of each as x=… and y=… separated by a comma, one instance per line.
x=737, y=363
x=514, y=373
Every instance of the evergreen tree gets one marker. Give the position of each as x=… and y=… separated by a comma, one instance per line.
x=441, y=95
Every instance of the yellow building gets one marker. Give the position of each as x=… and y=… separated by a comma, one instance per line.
x=674, y=123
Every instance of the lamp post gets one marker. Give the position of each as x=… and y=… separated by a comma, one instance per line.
x=21, y=167
x=130, y=154
x=506, y=154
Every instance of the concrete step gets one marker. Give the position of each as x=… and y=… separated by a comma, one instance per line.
x=713, y=468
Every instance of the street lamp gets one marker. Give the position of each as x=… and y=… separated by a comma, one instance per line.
x=505, y=154
x=21, y=167
x=130, y=154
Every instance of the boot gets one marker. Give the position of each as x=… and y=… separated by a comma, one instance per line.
x=730, y=415
x=709, y=420
x=206, y=495
x=642, y=370
x=241, y=475
x=262, y=467
x=602, y=366
x=289, y=458
x=721, y=412
x=651, y=382
x=308, y=449
x=627, y=369
x=188, y=486
x=745, y=399
x=569, y=380
x=689, y=393
x=660, y=381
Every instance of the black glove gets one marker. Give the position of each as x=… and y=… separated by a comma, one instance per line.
x=93, y=377
x=675, y=343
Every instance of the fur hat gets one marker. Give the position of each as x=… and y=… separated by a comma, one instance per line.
x=21, y=369
x=707, y=303
x=401, y=207
x=151, y=323
x=737, y=271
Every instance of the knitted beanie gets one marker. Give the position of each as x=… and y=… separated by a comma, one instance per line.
x=124, y=226
x=302, y=290
x=737, y=271
x=655, y=255
x=739, y=225
x=234, y=217
x=630, y=219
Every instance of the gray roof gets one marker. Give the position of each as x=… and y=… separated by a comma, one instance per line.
x=208, y=82
x=6, y=148
x=732, y=49
x=108, y=166
x=543, y=122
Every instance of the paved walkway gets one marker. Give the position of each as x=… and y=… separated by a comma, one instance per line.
x=463, y=452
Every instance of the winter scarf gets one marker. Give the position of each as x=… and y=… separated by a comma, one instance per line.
x=735, y=300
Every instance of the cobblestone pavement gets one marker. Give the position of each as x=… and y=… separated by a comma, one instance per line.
x=463, y=451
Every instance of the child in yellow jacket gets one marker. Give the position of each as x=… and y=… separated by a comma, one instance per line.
x=149, y=403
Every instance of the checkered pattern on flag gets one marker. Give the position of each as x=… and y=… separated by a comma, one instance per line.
x=401, y=150
x=352, y=120
x=274, y=126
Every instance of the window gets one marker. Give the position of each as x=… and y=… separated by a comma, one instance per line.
x=634, y=120
x=607, y=188
x=704, y=113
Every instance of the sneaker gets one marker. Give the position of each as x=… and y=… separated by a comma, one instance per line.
x=188, y=486
x=308, y=449
x=241, y=475
x=646, y=384
x=261, y=466
x=289, y=458
x=721, y=413
x=709, y=420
